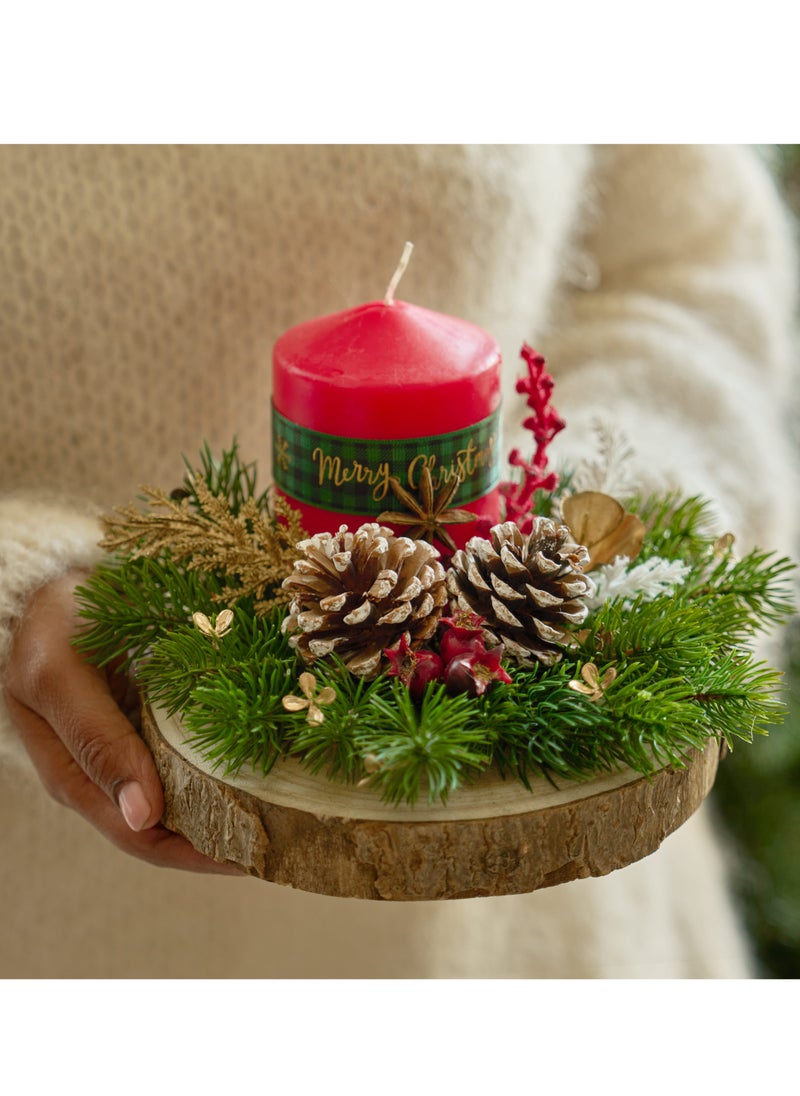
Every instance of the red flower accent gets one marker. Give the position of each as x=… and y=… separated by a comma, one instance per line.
x=475, y=673
x=463, y=621
x=462, y=635
x=416, y=669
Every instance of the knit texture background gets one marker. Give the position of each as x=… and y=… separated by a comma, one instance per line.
x=141, y=290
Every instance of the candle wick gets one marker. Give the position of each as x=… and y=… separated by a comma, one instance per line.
x=398, y=274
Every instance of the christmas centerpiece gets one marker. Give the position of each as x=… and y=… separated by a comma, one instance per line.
x=465, y=687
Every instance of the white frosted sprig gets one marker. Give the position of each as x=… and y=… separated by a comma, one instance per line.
x=651, y=579
x=612, y=472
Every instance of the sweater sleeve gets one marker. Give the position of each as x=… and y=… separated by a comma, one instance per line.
x=39, y=539
x=682, y=339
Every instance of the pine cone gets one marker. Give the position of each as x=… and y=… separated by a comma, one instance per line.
x=358, y=593
x=527, y=587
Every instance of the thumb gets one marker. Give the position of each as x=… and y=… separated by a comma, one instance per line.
x=66, y=696
x=84, y=715
x=72, y=700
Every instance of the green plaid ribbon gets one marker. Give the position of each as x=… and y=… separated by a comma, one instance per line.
x=351, y=475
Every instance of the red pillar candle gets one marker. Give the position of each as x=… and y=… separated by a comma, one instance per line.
x=379, y=391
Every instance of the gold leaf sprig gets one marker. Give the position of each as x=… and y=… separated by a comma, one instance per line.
x=254, y=551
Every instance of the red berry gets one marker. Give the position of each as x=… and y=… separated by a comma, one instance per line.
x=454, y=643
x=427, y=670
x=462, y=634
x=459, y=677
x=474, y=674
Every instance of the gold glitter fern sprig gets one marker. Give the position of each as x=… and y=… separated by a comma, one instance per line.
x=252, y=550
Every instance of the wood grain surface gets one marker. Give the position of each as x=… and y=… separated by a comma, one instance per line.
x=493, y=837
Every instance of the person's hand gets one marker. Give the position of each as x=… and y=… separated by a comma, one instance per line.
x=84, y=748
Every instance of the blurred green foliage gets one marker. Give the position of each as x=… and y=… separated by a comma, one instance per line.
x=787, y=172
x=757, y=793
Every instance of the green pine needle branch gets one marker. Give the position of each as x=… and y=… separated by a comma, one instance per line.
x=677, y=669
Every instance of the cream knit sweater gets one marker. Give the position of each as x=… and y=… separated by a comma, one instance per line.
x=141, y=290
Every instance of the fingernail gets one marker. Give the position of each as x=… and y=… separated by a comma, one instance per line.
x=135, y=808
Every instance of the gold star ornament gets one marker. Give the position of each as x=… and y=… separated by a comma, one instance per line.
x=427, y=513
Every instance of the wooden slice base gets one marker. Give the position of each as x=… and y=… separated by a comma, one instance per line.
x=492, y=838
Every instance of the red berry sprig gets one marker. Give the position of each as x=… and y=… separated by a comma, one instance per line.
x=544, y=423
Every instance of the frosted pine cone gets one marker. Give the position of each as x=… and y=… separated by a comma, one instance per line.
x=528, y=587
x=358, y=593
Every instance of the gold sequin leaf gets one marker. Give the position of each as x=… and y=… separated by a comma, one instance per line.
x=220, y=627
x=308, y=686
x=593, y=686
